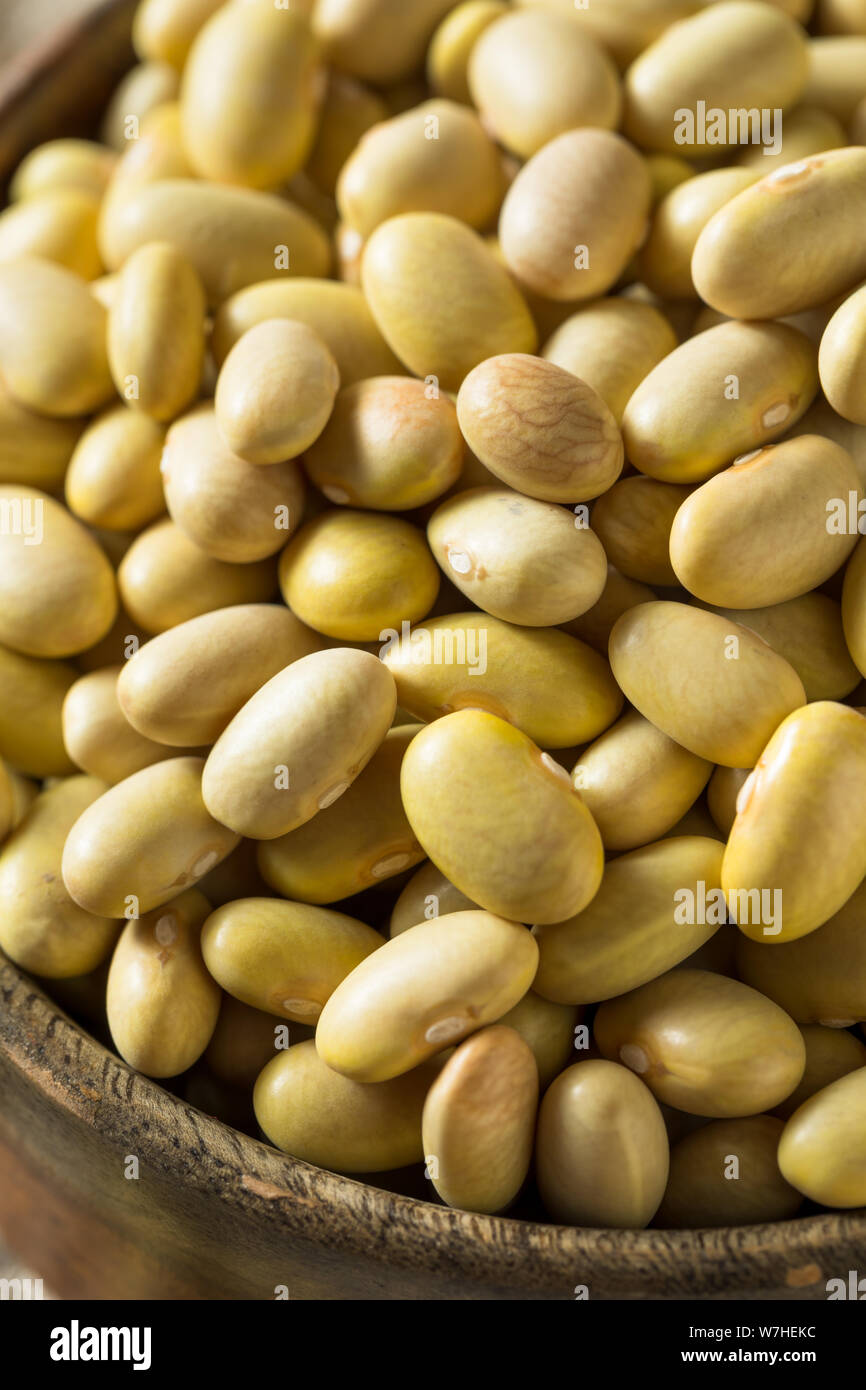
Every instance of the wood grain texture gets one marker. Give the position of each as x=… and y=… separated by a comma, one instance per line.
x=214, y=1214
x=217, y=1215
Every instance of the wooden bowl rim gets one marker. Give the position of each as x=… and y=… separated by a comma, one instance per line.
x=71, y=1069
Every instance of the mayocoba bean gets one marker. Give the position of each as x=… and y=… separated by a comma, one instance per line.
x=500, y=818
x=646, y=917
x=704, y=1043
x=284, y=958
x=809, y=854
x=424, y=990
x=602, y=1150
x=478, y=1124
x=727, y=1174
x=433, y=591
x=709, y=684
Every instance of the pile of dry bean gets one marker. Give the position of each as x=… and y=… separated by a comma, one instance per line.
x=432, y=592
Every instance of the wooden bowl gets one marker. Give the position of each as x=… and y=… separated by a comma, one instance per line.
x=214, y=1214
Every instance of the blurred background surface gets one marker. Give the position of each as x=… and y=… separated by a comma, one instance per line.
x=23, y=21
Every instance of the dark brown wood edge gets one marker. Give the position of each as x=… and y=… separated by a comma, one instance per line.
x=392, y=1246
x=61, y=84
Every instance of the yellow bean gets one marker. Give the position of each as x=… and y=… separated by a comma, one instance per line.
x=361, y=840
x=624, y=27
x=41, y=928
x=231, y=509
x=113, y=479
x=704, y=1043
x=166, y=579
x=818, y=978
x=807, y=130
x=534, y=75
x=836, y=81
x=540, y=860
x=552, y=686
x=162, y=1004
x=653, y=909
x=437, y=157
x=416, y=270
x=324, y=1118
x=179, y=688
x=809, y=854
x=539, y=428
x=728, y=56
x=299, y=742
x=637, y=782
x=158, y=153
x=58, y=225
x=854, y=606
x=842, y=359
x=586, y=183
x=233, y=237
x=711, y=685
x=612, y=345
x=771, y=514
x=451, y=46
x=285, y=958
x=163, y=30
x=724, y=392
x=830, y=1054
x=156, y=331
x=522, y=560
x=602, y=1150
x=348, y=111
x=339, y=314
x=822, y=1146
x=618, y=595
x=144, y=89
x=275, y=392
x=727, y=1174
x=389, y=445
x=31, y=735
x=428, y=894
x=841, y=17
x=57, y=589
x=357, y=575
x=144, y=841
x=807, y=632
x=723, y=791
x=821, y=418
x=243, y=1041
x=77, y=164
x=52, y=339
x=549, y=1031
x=665, y=259
x=253, y=48
x=758, y=256
x=422, y=991
x=376, y=40
x=478, y=1124
x=633, y=521
x=34, y=449
x=9, y=800
x=97, y=734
